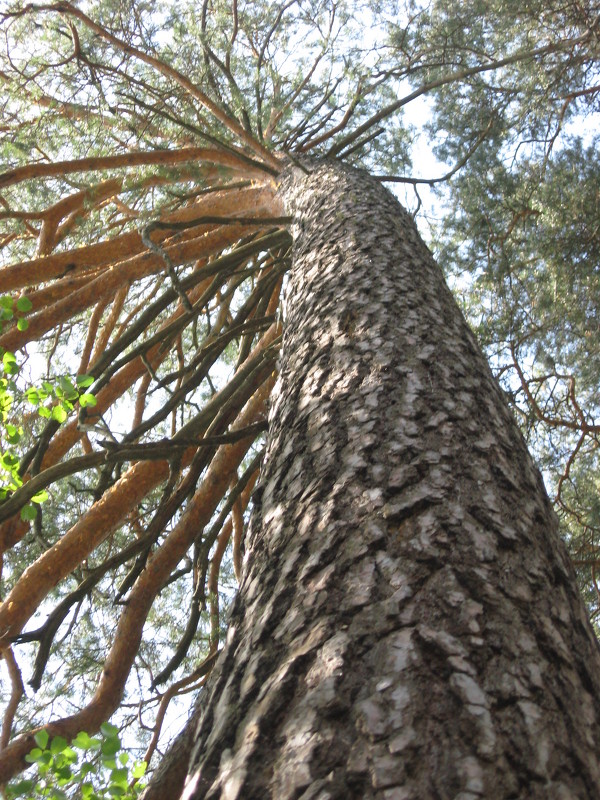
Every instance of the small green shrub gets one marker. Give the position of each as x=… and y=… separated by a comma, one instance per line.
x=100, y=771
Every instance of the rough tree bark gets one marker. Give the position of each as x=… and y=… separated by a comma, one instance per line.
x=408, y=625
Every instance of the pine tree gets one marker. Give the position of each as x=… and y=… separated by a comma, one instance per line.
x=395, y=633
x=155, y=180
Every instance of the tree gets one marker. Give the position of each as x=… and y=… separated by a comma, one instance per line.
x=173, y=260
x=394, y=634
x=522, y=227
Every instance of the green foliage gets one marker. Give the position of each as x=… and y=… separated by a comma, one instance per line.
x=520, y=240
x=56, y=399
x=91, y=768
x=53, y=399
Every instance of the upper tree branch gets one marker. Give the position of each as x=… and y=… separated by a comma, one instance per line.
x=132, y=159
x=453, y=77
x=164, y=69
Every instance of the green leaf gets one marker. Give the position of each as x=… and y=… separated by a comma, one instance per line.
x=24, y=305
x=69, y=756
x=58, y=794
x=85, y=742
x=44, y=412
x=22, y=324
x=120, y=776
x=110, y=746
x=40, y=497
x=58, y=744
x=9, y=362
x=13, y=434
x=83, y=381
x=28, y=513
x=41, y=739
x=34, y=756
x=59, y=413
x=66, y=385
x=8, y=461
x=107, y=729
x=63, y=774
x=139, y=770
x=87, y=400
x=21, y=788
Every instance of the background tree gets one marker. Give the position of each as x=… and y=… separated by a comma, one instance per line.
x=524, y=229
x=141, y=224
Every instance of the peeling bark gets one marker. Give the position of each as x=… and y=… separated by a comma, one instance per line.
x=408, y=625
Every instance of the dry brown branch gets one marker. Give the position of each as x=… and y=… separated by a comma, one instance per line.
x=140, y=399
x=16, y=693
x=106, y=284
x=58, y=290
x=110, y=324
x=133, y=159
x=237, y=518
x=224, y=203
x=236, y=524
x=91, y=336
x=68, y=207
x=164, y=69
x=554, y=422
x=82, y=538
x=104, y=517
x=119, y=384
x=129, y=630
x=189, y=683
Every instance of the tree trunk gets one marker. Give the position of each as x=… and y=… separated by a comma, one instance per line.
x=408, y=625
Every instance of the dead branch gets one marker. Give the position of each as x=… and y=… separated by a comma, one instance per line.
x=16, y=693
x=129, y=630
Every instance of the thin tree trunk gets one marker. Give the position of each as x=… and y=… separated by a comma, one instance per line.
x=408, y=625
